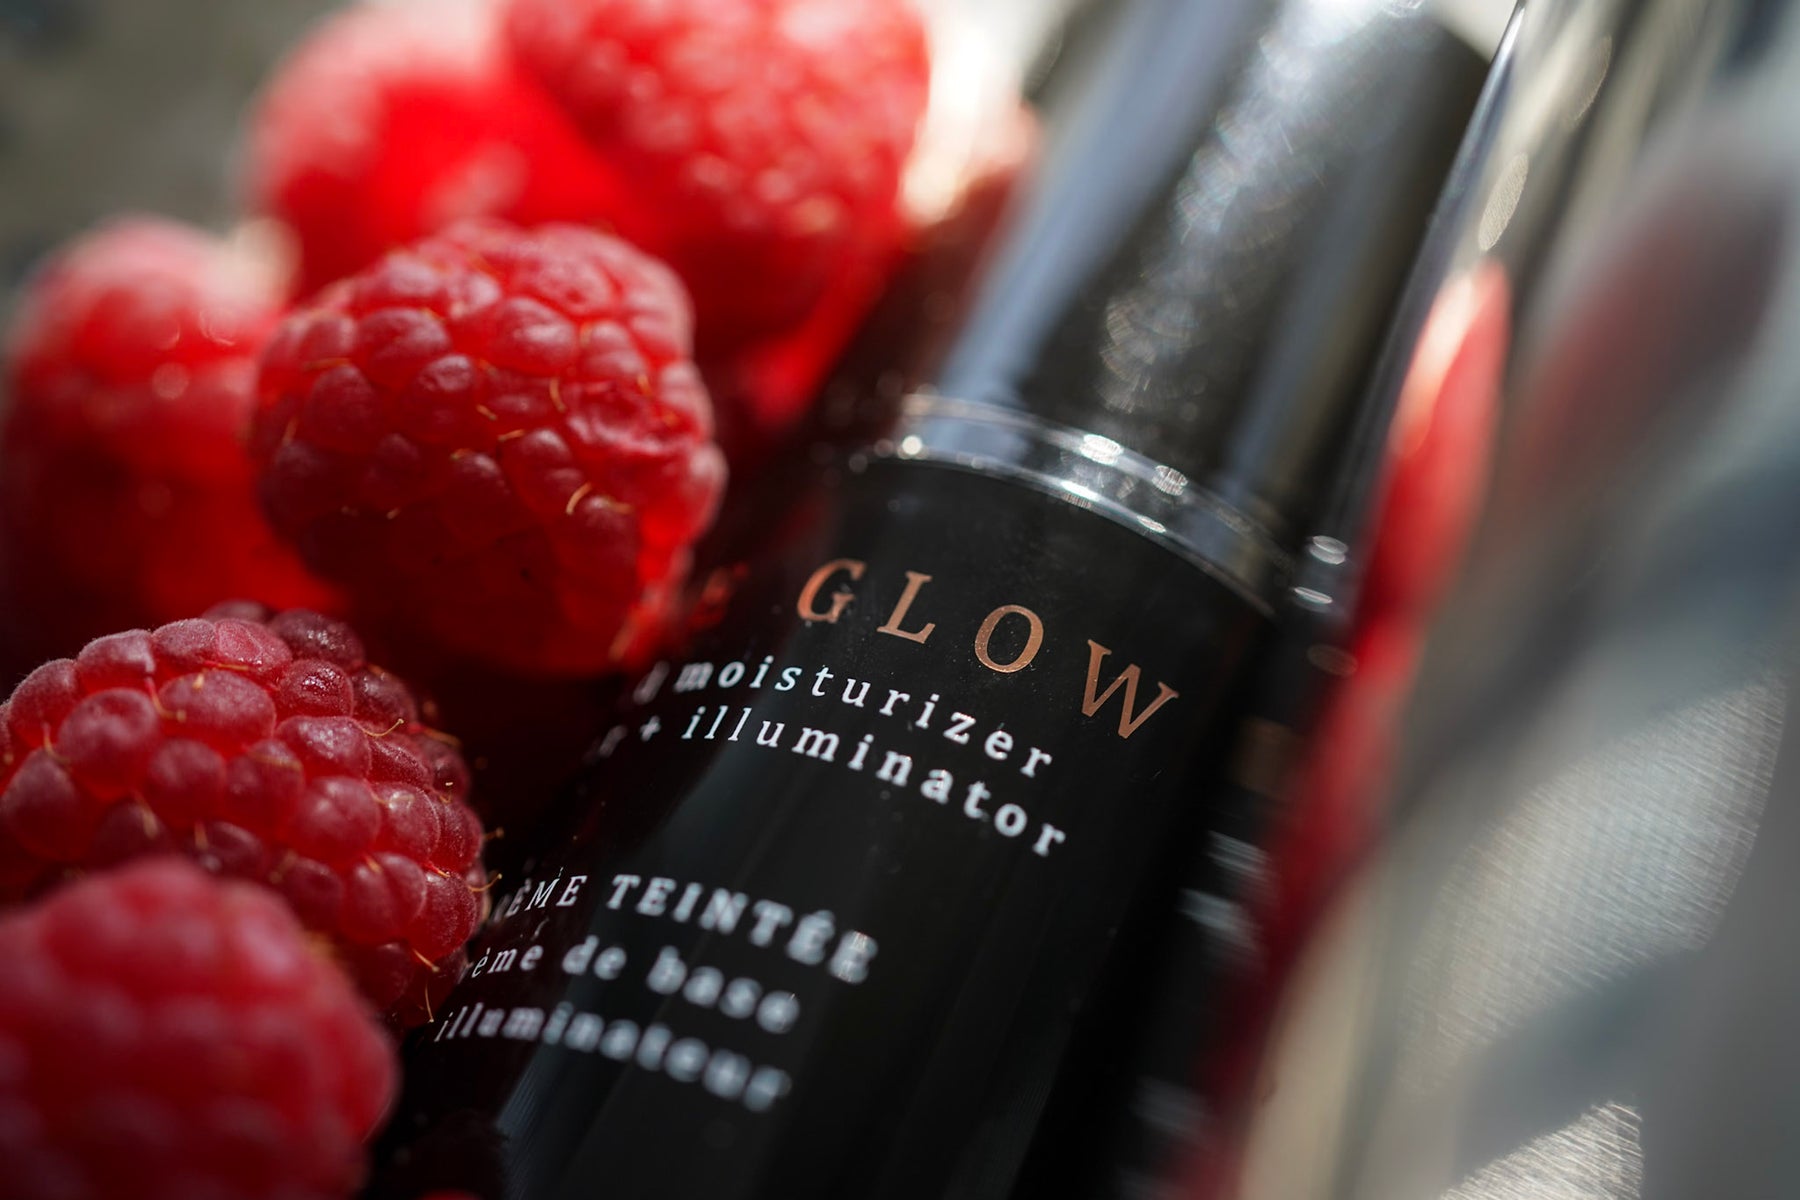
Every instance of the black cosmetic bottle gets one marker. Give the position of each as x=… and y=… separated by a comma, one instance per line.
x=830, y=896
x=1147, y=1106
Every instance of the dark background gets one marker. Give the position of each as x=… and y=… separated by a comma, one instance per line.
x=109, y=106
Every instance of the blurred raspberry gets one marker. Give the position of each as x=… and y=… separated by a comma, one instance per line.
x=393, y=120
x=885, y=321
x=126, y=496
x=760, y=142
x=495, y=437
x=167, y=1037
x=1439, y=460
x=267, y=749
x=763, y=390
x=1442, y=444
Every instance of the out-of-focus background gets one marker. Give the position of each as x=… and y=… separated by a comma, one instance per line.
x=115, y=105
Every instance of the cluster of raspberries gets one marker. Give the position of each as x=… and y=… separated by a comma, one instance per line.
x=267, y=749
x=467, y=383
x=521, y=262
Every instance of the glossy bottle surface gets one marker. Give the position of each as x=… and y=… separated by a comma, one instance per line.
x=872, y=830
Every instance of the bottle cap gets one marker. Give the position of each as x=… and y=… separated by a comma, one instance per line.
x=1203, y=269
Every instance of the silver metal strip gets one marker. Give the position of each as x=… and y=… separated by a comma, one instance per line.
x=1097, y=474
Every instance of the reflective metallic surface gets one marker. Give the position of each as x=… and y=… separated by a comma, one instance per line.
x=1096, y=473
x=1571, y=972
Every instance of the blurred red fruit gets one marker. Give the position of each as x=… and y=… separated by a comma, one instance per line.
x=759, y=143
x=393, y=120
x=1442, y=446
x=126, y=495
x=164, y=1036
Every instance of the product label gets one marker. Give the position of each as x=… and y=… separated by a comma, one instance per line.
x=843, y=869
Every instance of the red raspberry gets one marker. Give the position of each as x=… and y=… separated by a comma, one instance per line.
x=1441, y=448
x=268, y=750
x=125, y=492
x=392, y=120
x=763, y=390
x=167, y=1037
x=905, y=298
x=761, y=141
x=495, y=436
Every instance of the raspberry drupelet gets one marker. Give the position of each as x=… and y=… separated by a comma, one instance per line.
x=495, y=438
x=167, y=1036
x=760, y=143
x=126, y=497
x=264, y=749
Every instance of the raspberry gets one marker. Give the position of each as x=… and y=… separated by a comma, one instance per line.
x=125, y=492
x=166, y=1036
x=761, y=142
x=843, y=354
x=391, y=121
x=266, y=749
x=765, y=389
x=496, y=437
x=1441, y=448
